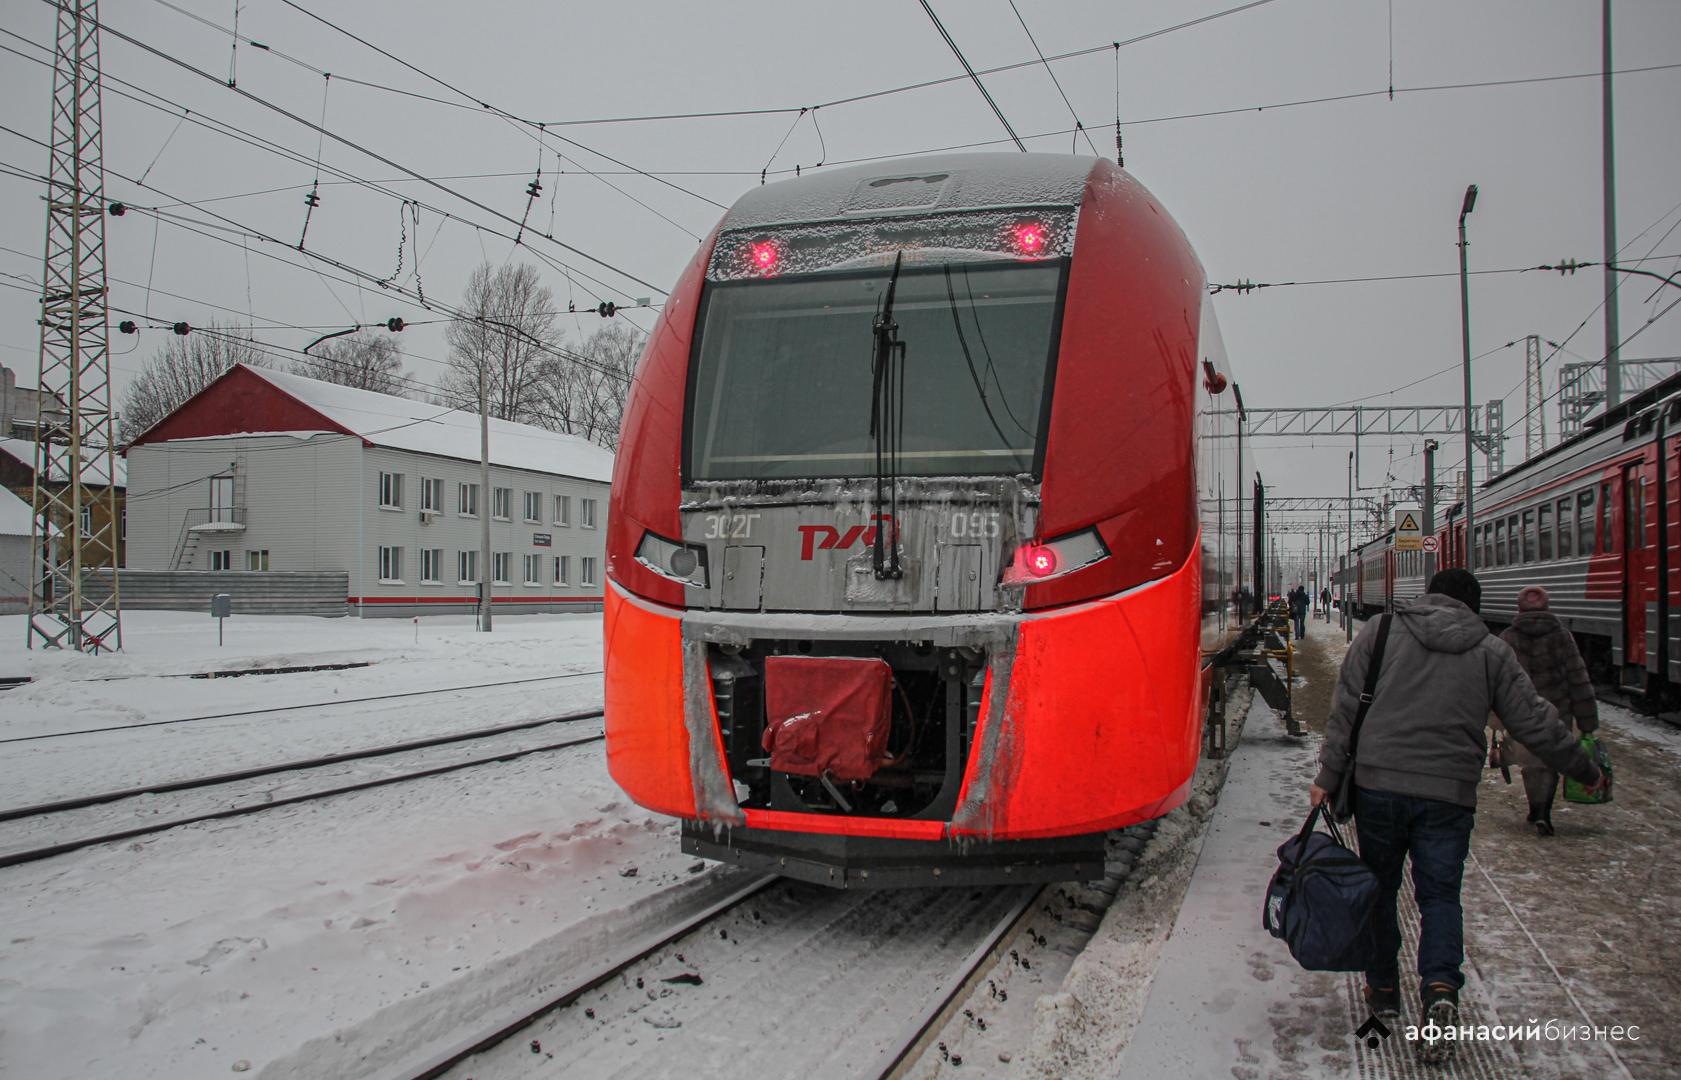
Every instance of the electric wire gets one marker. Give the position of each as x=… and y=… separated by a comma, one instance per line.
x=976, y=79
x=1078, y=126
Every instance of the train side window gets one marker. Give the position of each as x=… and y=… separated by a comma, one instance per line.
x=1566, y=529
x=1488, y=542
x=1515, y=539
x=1607, y=538
x=1634, y=512
x=1584, y=521
x=1499, y=543
x=1544, y=518
x=1529, y=536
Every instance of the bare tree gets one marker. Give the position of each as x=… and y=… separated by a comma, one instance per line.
x=583, y=392
x=182, y=367
x=509, y=335
x=364, y=360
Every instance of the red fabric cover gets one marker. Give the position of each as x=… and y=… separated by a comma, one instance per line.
x=827, y=714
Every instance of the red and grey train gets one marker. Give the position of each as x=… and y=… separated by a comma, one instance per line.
x=1595, y=520
x=920, y=531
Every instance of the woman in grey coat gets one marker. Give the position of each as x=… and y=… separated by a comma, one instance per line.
x=1550, y=658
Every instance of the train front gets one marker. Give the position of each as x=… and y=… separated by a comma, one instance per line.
x=903, y=557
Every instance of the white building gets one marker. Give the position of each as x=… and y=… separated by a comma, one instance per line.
x=14, y=553
x=267, y=471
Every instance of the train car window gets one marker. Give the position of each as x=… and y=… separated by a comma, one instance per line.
x=1607, y=538
x=1529, y=536
x=1566, y=529
x=781, y=384
x=1499, y=543
x=1584, y=521
x=1634, y=506
x=1515, y=539
x=1544, y=520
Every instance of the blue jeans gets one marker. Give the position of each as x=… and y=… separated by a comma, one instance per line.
x=1438, y=837
x=1301, y=624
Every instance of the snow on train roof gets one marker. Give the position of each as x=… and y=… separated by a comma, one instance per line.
x=406, y=424
x=932, y=184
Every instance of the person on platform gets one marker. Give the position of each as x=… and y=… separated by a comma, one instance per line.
x=1420, y=757
x=1298, y=609
x=1548, y=654
x=1325, y=603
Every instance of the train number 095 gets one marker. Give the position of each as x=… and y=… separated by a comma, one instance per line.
x=977, y=525
x=730, y=526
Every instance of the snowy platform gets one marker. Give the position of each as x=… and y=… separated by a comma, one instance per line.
x=1583, y=929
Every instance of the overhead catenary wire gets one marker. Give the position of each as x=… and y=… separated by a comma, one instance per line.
x=1078, y=126
x=976, y=79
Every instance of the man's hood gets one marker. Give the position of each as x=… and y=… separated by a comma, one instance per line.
x=1441, y=623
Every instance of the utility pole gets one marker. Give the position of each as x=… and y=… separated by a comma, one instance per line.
x=1465, y=339
x=1534, y=395
x=1430, y=446
x=1348, y=578
x=1613, y=370
x=78, y=442
x=485, y=504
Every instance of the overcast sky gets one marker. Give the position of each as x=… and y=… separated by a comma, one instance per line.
x=1353, y=188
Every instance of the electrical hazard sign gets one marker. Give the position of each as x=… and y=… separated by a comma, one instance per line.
x=1409, y=533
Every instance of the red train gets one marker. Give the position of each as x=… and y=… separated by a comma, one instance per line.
x=921, y=525
x=1595, y=520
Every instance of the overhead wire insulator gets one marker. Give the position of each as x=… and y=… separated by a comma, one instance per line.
x=395, y=325
x=181, y=329
x=606, y=309
x=127, y=326
x=118, y=209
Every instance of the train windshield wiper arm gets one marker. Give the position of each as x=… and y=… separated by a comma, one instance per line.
x=887, y=373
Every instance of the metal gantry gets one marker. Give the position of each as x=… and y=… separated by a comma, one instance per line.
x=1581, y=387
x=72, y=526
x=1534, y=393
x=1488, y=426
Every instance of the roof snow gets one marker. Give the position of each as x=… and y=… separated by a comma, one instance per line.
x=406, y=424
x=14, y=515
x=93, y=468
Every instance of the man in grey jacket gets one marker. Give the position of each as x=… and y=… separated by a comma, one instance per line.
x=1420, y=758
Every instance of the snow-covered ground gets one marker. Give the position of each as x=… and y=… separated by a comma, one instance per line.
x=330, y=938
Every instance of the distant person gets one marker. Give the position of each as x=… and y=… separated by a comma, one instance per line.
x=1298, y=609
x=1325, y=603
x=1550, y=658
x=1420, y=757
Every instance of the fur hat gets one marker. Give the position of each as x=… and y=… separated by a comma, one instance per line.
x=1532, y=598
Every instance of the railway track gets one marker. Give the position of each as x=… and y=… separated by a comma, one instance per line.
x=295, y=707
x=843, y=969
x=46, y=813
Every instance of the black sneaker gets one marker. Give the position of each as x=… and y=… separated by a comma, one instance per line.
x=1543, y=827
x=1440, y=1007
x=1383, y=1002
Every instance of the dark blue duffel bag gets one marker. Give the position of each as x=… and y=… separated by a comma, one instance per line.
x=1320, y=900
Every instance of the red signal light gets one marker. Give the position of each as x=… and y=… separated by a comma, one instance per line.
x=1040, y=560
x=764, y=257
x=1031, y=238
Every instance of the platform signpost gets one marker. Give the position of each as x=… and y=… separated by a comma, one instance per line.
x=221, y=606
x=1409, y=532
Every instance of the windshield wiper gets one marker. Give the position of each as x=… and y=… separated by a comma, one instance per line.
x=887, y=370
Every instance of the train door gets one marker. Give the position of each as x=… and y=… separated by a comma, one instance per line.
x=1637, y=571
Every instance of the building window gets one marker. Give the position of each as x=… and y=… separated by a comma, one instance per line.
x=467, y=505
x=391, y=564
x=534, y=507
x=221, y=560
x=123, y=523
x=256, y=560
x=502, y=507
x=533, y=569
x=87, y=519
x=431, y=566
x=390, y=491
x=561, y=568
x=586, y=513
x=586, y=571
x=432, y=494
x=499, y=564
x=467, y=562
x=563, y=509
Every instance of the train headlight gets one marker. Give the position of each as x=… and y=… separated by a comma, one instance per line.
x=1044, y=560
x=684, y=563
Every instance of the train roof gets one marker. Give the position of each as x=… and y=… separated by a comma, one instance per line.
x=1592, y=428
x=924, y=185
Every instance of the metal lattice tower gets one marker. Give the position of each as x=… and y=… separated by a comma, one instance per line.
x=73, y=528
x=1534, y=394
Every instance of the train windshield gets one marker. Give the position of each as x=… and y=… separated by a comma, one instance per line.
x=781, y=386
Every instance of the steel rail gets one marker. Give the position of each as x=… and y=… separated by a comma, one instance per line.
x=80, y=801
x=294, y=708
x=18, y=858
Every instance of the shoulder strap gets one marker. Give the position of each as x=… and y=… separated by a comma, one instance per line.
x=1372, y=669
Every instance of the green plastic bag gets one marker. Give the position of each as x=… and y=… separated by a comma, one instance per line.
x=1577, y=792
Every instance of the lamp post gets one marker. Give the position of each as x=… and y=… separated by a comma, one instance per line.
x=486, y=500
x=1348, y=581
x=1465, y=341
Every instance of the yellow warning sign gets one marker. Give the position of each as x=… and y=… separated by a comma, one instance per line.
x=1409, y=535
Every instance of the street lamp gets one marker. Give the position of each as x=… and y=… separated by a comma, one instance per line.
x=1465, y=340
